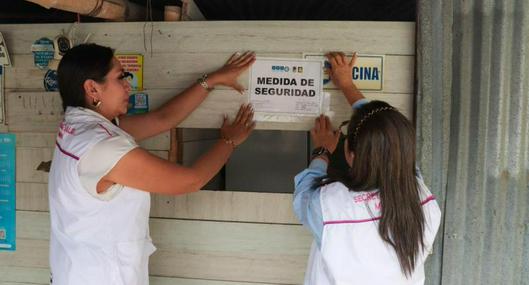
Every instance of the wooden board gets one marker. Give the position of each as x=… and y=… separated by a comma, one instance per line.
x=42, y=111
x=224, y=36
x=221, y=251
x=14, y=275
x=47, y=140
x=179, y=70
x=28, y=159
x=204, y=205
x=32, y=192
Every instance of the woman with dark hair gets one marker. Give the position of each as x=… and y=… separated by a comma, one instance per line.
x=376, y=222
x=100, y=178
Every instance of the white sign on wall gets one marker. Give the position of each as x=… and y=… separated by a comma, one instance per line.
x=286, y=86
x=4, y=55
x=367, y=74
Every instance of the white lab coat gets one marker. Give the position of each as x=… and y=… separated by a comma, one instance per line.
x=92, y=241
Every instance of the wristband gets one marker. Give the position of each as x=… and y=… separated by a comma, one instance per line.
x=229, y=142
x=320, y=151
x=202, y=81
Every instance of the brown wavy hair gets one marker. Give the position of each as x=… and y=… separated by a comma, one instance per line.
x=383, y=143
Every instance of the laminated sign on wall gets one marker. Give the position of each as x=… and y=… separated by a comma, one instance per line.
x=138, y=103
x=7, y=192
x=286, y=86
x=133, y=64
x=367, y=74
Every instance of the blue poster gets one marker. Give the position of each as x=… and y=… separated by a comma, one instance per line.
x=7, y=192
x=138, y=103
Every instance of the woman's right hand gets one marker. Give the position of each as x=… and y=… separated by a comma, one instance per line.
x=341, y=69
x=241, y=127
x=341, y=75
x=323, y=134
x=227, y=75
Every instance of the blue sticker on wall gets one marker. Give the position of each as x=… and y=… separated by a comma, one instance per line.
x=7, y=192
x=138, y=103
x=326, y=72
x=51, y=83
x=43, y=52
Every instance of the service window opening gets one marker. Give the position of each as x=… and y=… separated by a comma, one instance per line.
x=266, y=162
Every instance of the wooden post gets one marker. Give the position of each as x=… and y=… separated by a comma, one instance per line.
x=176, y=147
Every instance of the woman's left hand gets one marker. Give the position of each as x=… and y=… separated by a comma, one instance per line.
x=227, y=75
x=323, y=134
x=341, y=69
x=241, y=127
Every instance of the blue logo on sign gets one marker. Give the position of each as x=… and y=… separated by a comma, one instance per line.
x=280, y=68
x=51, y=83
x=326, y=73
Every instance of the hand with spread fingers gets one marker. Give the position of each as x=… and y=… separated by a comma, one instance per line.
x=341, y=69
x=341, y=73
x=324, y=135
x=241, y=127
x=227, y=75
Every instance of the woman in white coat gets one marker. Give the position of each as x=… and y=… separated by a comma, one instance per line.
x=100, y=178
x=375, y=221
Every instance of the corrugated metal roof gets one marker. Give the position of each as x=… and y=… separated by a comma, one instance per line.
x=473, y=135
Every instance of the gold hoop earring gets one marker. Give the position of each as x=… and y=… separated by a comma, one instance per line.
x=97, y=104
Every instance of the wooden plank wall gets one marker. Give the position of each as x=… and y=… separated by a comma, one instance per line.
x=207, y=238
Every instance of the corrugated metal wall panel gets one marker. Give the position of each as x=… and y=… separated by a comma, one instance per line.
x=434, y=26
x=486, y=225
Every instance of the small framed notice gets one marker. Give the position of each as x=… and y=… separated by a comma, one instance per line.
x=133, y=64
